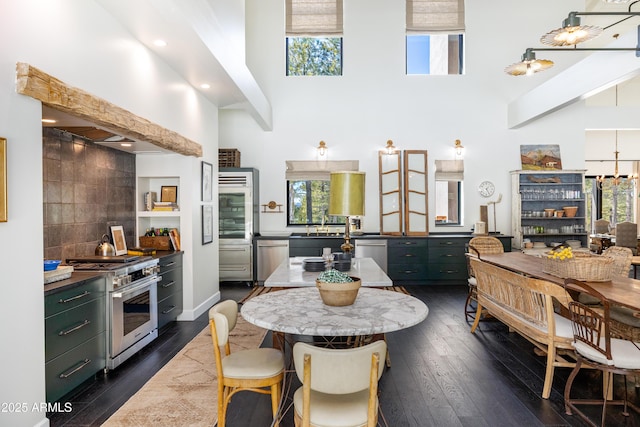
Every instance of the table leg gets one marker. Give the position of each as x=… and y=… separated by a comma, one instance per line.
x=277, y=339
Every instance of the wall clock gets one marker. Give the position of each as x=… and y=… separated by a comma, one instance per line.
x=486, y=188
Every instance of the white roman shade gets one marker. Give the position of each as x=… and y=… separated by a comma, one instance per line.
x=449, y=170
x=313, y=17
x=435, y=16
x=310, y=170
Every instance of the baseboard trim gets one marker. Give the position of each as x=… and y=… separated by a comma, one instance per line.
x=191, y=315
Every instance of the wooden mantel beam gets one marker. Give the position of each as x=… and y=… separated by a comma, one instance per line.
x=56, y=94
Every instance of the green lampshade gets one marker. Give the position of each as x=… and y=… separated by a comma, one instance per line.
x=346, y=193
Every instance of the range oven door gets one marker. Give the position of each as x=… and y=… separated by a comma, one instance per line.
x=134, y=314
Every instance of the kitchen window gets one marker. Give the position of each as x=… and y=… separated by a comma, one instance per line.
x=308, y=191
x=313, y=37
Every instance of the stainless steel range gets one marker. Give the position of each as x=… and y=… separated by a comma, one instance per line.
x=132, y=303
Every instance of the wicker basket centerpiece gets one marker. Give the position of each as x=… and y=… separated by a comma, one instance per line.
x=563, y=262
x=337, y=288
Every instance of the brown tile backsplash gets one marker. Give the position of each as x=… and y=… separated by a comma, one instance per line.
x=87, y=189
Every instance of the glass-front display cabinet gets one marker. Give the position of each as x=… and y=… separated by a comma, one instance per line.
x=548, y=207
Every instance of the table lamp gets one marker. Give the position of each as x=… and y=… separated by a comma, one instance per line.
x=346, y=198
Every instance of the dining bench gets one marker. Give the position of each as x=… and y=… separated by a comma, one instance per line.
x=529, y=307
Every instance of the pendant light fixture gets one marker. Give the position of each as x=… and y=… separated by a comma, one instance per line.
x=616, y=179
x=571, y=34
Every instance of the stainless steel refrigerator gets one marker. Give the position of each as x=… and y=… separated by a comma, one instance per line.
x=238, y=222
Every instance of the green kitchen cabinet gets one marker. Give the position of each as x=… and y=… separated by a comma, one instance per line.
x=170, y=303
x=75, y=335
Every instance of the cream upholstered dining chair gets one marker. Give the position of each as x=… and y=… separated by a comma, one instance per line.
x=259, y=370
x=627, y=235
x=339, y=386
x=478, y=246
x=596, y=348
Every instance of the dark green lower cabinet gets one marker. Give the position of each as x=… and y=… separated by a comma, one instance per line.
x=431, y=260
x=169, y=288
x=75, y=336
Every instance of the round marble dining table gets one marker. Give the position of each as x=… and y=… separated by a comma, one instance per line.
x=301, y=311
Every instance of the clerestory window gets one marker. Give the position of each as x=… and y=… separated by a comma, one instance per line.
x=435, y=37
x=314, y=37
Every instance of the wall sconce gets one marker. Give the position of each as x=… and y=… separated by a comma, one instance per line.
x=390, y=148
x=458, y=147
x=322, y=149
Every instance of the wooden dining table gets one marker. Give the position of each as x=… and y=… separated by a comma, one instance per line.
x=622, y=291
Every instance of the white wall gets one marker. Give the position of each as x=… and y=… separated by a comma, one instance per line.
x=79, y=43
x=375, y=101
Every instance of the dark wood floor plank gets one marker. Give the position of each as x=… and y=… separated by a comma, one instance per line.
x=440, y=375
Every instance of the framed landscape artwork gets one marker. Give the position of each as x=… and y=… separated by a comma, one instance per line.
x=540, y=157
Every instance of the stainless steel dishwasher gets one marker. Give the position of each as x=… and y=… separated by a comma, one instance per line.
x=271, y=253
x=372, y=248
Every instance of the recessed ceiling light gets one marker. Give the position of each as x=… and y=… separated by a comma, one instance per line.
x=49, y=121
x=160, y=43
x=205, y=85
x=125, y=144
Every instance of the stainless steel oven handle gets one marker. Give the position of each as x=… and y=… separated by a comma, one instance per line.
x=143, y=285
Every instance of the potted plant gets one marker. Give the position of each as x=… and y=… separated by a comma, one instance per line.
x=337, y=288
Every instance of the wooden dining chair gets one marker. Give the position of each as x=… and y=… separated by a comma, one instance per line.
x=478, y=246
x=596, y=348
x=260, y=370
x=339, y=386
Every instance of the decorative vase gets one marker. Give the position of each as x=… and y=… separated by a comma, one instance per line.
x=339, y=294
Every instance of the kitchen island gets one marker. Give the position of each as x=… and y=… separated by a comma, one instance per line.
x=291, y=274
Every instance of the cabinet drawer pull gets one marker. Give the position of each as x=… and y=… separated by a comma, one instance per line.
x=448, y=243
x=408, y=243
x=169, y=264
x=171, y=283
x=75, y=328
x=169, y=310
x=408, y=255
x=447, y=255
x=449, y=271
x=82, y=295
x=409, y=271
x=82, y=364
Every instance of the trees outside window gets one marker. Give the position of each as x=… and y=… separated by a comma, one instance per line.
x=308, y=204
x=314, y=56
x=608, y=201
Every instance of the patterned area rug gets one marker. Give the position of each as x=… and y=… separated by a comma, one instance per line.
x=184, y=391
x=259, y=290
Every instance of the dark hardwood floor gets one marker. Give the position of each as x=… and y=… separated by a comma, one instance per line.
x=441, y=375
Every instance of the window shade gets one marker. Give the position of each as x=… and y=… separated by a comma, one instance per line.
x=449, y=170
x=435, y=16
x=309, y=170
x=313, y=17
